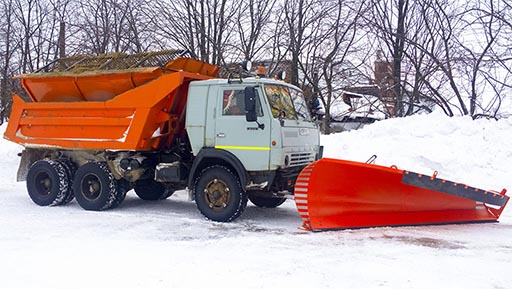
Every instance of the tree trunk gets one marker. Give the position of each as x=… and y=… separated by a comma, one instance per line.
x=62, y=39
x=4, y=88
x=398, y=51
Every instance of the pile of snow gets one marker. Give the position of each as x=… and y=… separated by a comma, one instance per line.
x=475, y=152
x=168, y=244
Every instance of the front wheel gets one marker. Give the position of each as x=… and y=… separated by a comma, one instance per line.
x=219, y=195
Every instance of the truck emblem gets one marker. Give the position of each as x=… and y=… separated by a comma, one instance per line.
x=303, y=131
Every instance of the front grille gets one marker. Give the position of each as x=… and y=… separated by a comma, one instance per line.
x=301, y=159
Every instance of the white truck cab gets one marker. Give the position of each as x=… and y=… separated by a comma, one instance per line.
x=257, y=130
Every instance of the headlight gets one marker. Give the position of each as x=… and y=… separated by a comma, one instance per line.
x=286, y=161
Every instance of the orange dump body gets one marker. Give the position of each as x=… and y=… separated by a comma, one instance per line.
x=132, y=109
x=339, y=194
x=87, y=86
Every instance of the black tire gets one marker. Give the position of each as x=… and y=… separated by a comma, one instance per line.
x=151, y=190
x=122, y=189
x=70, y=168
x=47, y=183
x=263, y=202
x=219, y=195
x=95, y=187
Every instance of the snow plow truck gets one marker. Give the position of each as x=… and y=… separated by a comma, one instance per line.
x=96, y=127
x=99, y=126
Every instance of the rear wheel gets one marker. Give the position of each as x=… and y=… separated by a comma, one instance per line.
x=70, y=168
x=151, y=190
x=122, y=189
x=48, y=183
x=264, y=202
x=219, y=195
x=95, y=187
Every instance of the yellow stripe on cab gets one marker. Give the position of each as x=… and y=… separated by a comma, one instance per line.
x=247, y=148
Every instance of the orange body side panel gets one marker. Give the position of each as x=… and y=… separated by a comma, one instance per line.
x=338, y=194
x=192, y=65
x=135, y=119
x=86, y=86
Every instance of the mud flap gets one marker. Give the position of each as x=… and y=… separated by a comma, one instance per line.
x=338, y=194
x=28, y=157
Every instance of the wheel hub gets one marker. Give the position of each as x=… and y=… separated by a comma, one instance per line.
x=91, y=187
x=217, y=194
x=44, y=184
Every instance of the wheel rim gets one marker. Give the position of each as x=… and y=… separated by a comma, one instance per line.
x=91, y=187
x=43, y=184
x=217, y=194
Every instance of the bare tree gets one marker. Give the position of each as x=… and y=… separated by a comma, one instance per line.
x=98, y=23
x=31, y=16
x=455, y=55
x=300, y=16
x=140, y=36
x=387, y=20
x=6, y=33
x=106, y=26
x=325, y=62
x=276, y=46
x=42, y=31
x=444, y=52
x=423, y=78
x=463, y=49
x=481, y=59
x=203, y=27
x=254, y=18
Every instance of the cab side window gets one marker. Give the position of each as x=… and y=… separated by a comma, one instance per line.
x=233, y=102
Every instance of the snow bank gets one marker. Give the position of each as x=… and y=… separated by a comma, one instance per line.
x=475, y=152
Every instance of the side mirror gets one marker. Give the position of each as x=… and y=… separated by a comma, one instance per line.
x=250, y=104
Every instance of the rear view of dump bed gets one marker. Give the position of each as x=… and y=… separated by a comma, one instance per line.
x=114, y=102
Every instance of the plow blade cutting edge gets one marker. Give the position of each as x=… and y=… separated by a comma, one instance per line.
x=339, y=194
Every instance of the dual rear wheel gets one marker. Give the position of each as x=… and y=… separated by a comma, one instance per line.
x=48, y=183
x=56, y=182
x=95, y=187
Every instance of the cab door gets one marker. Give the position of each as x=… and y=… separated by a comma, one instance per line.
x=248, y=142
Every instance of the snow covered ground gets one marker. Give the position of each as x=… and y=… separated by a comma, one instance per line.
x=169, y=245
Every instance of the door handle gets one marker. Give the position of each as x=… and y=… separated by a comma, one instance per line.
x=221, y=134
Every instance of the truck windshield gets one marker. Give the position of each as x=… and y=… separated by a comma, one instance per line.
x=287, y=103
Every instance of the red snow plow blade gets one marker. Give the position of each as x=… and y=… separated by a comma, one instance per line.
x=338, y=194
